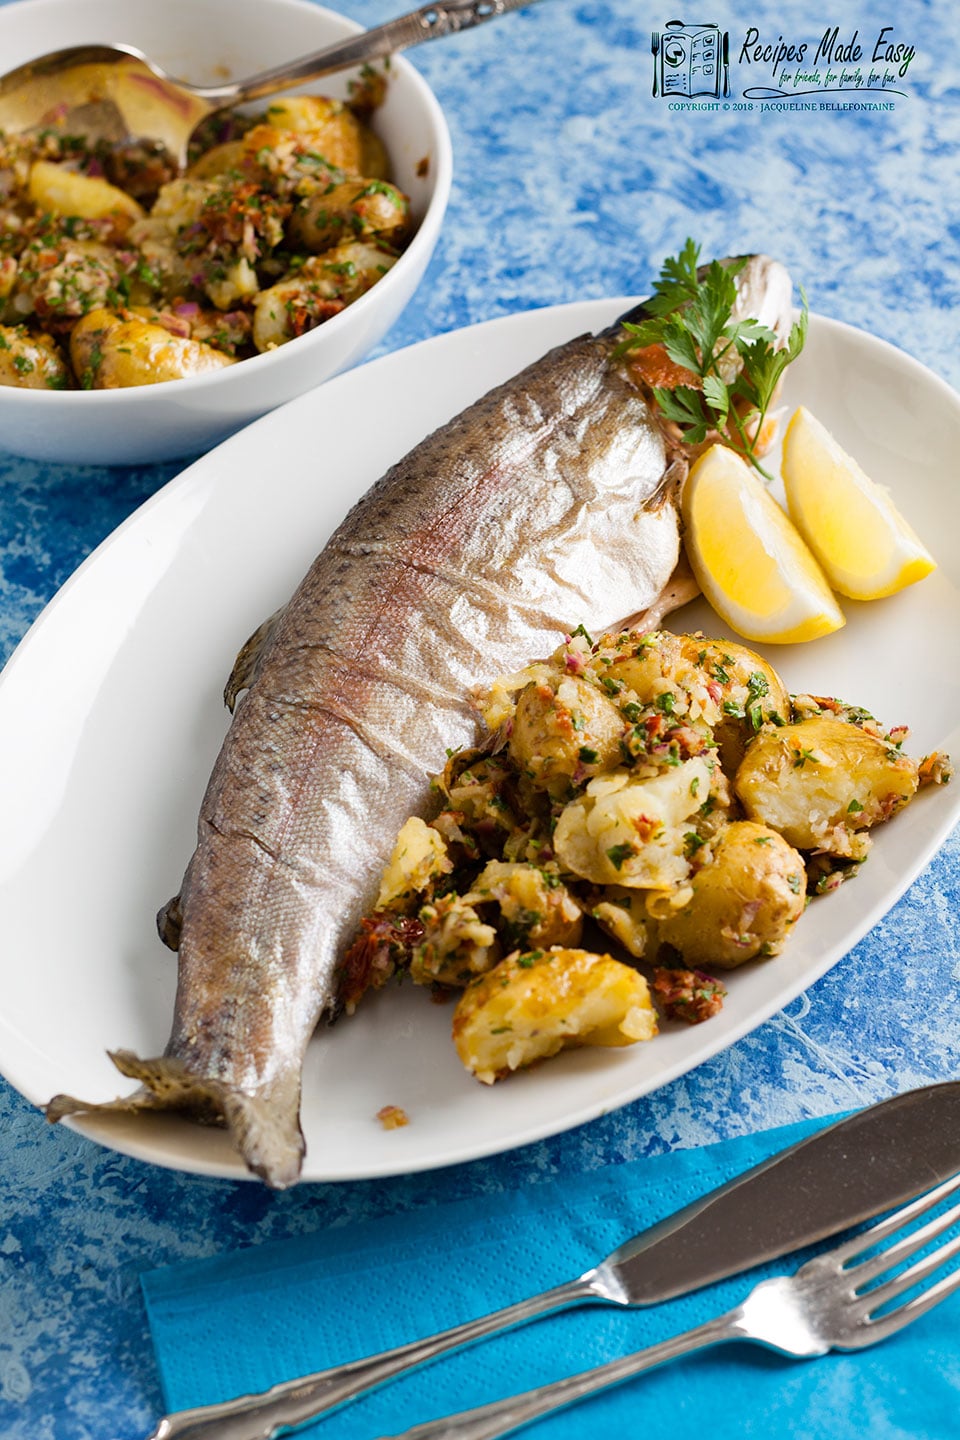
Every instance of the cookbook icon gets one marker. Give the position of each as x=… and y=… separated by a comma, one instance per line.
x=690, y=60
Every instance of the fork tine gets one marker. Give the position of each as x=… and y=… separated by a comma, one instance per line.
x=891, y=1223
x=894, y=1320
x=908, y=1244
x=912, y=1276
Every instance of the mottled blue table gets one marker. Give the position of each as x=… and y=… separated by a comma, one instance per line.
x=573, y=181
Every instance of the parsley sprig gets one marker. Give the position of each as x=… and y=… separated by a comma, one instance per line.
x=691, y=316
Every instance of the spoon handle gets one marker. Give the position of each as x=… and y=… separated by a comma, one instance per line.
x=430, y=22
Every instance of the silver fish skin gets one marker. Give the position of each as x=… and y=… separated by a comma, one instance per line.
x=546, y=504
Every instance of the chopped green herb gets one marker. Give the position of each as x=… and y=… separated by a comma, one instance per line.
x=691, y=315
x=618, y=853
x=379, y=187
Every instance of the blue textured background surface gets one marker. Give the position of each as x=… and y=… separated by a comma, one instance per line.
x=319, y=1299
x=572, y=182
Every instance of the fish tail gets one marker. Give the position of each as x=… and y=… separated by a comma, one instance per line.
x=264, y=1125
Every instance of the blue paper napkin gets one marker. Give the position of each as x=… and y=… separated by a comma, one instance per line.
x=242, y=1321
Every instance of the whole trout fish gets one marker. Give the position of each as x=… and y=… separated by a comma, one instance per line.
x=550, y=501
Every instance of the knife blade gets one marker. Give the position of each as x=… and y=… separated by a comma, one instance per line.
x=858, y=1167
x=854, y=1169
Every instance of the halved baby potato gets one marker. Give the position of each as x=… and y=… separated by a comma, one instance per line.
x=58, y=191
x=322, y=287
x=110, y=352
x=353, y=210
x=744, y=901
x=31, y=362
x=341, y=138
x=750, y=690
x=564, y=729
x=821, y=781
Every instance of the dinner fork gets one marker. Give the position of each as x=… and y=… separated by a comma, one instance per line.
x=830, y=1303
x=655, y=52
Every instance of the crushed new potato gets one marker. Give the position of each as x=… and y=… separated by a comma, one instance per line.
x=536, y=1003
x=629, y=829
x=662, y=791
x=419, y=857
x=116, y=272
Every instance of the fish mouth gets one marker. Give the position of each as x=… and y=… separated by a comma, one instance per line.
x=263, y=1124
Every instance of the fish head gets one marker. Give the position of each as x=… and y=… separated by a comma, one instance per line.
x=765, y=294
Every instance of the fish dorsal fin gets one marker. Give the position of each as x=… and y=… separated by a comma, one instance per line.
x=247, y=663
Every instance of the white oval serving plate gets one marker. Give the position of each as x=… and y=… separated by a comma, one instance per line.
x=111, y=717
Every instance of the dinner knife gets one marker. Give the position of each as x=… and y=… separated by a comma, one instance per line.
x=857, y=1168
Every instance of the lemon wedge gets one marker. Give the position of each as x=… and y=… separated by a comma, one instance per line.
x=751, y=563
x=863, y=543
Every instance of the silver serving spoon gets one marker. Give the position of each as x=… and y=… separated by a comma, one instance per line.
x=116, y=92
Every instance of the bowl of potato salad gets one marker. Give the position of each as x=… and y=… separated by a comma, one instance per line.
x=146, y=313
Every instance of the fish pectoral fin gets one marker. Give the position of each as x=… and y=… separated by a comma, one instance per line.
x=671, y=485
x=169, y=922
x=245, y=666
x=263, y=1124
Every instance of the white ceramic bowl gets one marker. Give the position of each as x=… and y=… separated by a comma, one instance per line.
x=207, y=41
